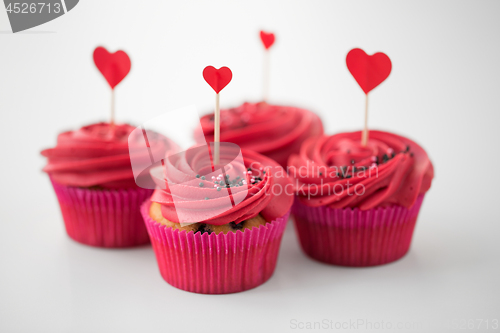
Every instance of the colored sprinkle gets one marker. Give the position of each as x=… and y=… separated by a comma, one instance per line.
x=203, y=228
x=197, y=176
x=249, y=169
x=352, y=162
x=201, y=184
x=238, y=226
x=206, y=198
x=218, y=188
x=202, y=177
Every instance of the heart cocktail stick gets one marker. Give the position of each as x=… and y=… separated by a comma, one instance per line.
x=369, y=72
x=217, y=79
x=114, y=67
x=268, y=41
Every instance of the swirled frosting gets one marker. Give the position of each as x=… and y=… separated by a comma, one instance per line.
x=95, y=155
x=272, y=130
x=254, y=184
x=337, y=171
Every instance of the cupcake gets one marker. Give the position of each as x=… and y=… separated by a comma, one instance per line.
x=271, y=130
x=356, y=205
x=91, y=174
x=218, y=232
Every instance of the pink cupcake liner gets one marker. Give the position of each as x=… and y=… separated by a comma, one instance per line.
x=103, y=218
x=216, y=263
x=351, y=237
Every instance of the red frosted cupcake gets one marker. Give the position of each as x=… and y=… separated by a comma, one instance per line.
x=355, y=205
x=93, y=180
x=271, y=130
x=218, y=233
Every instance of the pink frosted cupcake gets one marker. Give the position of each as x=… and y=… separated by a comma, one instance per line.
x=271, y=130
x=355, y=205
x=236, y=221
x=91, y=174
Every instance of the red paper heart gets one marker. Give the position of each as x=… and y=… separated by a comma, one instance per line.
x=368, y=71
x=217, y=78
x=267, y=39
x=113, y=66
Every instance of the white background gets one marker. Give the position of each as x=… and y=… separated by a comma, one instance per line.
x=443, y=92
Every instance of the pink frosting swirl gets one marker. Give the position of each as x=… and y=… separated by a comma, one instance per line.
x=272, y=130
x=95, y=155
x=391, y=169
x=199, y=198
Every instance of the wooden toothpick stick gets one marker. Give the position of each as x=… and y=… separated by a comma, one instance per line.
x=112, y=120
x=217, y=130
x=364, y=138
x=265, y=76
x=267, y=40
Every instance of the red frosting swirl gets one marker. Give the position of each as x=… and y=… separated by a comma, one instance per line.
x=199, y=198
x=272, y=130
x=95, y=155
x=390, y=170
